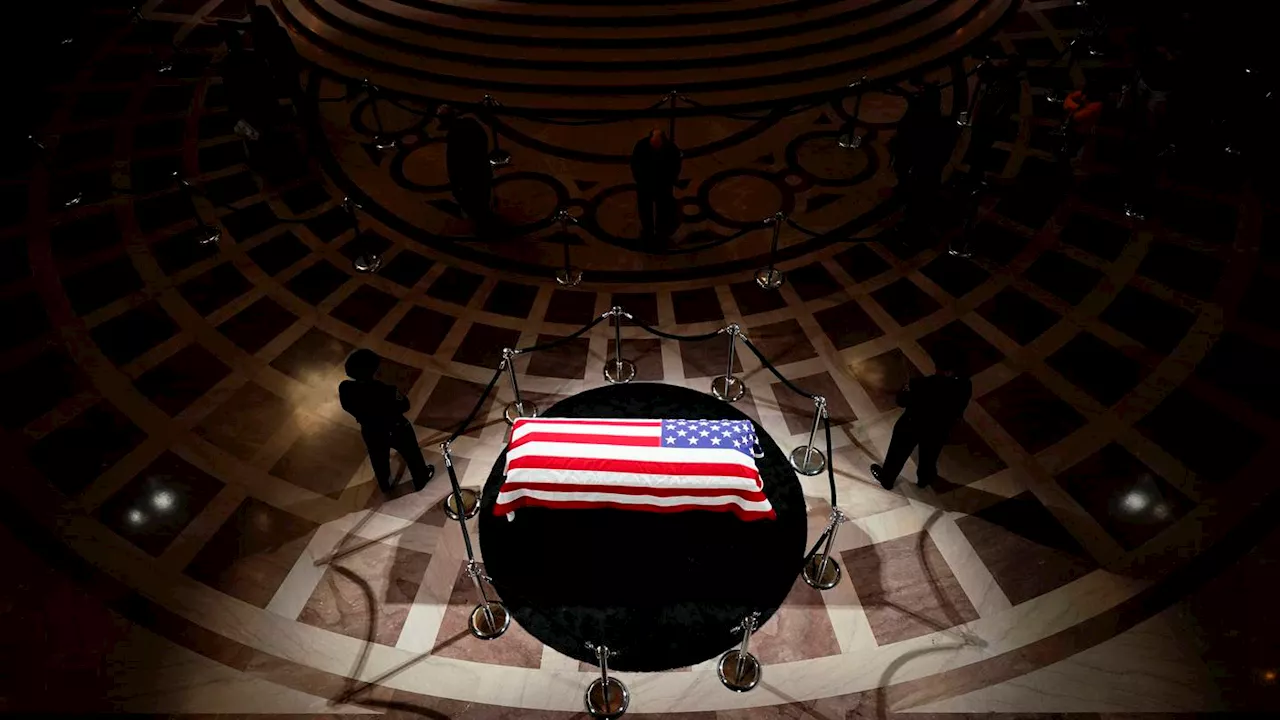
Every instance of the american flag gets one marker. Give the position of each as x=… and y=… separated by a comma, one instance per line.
x=649, y=465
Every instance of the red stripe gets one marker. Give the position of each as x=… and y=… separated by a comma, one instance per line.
x=642, y=467
x=745, y=494
x=632, y=440
x=579, y=421
x=503, y=509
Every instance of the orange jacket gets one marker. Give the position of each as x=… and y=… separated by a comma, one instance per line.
x=1084, y=113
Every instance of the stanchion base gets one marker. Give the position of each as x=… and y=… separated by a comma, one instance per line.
x=738, y=672
x=729, y=389
x=382, y=142
x=210, y=235
x=368, y=263
x=815, y=575
x=619, y=372
x=959, y=252
x=808, y=461
x=499, y=158
x=514, y=412
x=850, y=141
x=74, y=200
x=568, y=277
x=470, y=504
x=769, y=278
x=619, y=699
x=481, y=626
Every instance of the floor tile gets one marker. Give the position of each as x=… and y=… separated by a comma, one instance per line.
x=799, y=630
x=1245, y=369
x=568, y=360
x=162, y=211
x=511, y=299
x=258, y=324
x=646, y=355
x=1096, y=367
x=907, y=589
x=249, y=222
x=798, y=411
x=98, y=104
x=154, y=174
x=905, y=302
x=956, y=275
x=1018, y=316
x=483, y=345
x=305, y=198
x=213, y=158
x=323, y=458
x=317, y=282
x=214, y=288
x=234, y=188
x=1260, y=300
x=159, y=502
x=883, y=376
x=1206, y=220
x=182, y=250
x=252, y=553
x=1017, y=534
x=996, y=243
x=217, y=125
x=313, y=358
x=75, y=454
x=168, y=99
x=781, y=342
x=449, y=404
x=1092, y=234
x=1031, y=413
x=1147, y=319
x=399, y=376
x=134, y=332
x=695, y=306
x=182, y=379
x=861, y=262
x=84, y=236
x=406, y=268
x=961, y=342
x=571, y=307
x=25, y=317
x=709, y=358
x=103, y=284
x=406, y=503
x=643, y=306
x=1180, y=268
x=370, y=590
x=1204, y=439
x=56, y=376
x=847, y=325
x=364, y=308
x=421, y=329
x=966, y=458
x=454, y=639
x=752, y=299
x=1127, y=498
x=367, y=242
x=812, y=281
x=279, y=253
x=244, y=422
x=1062, y=276
x=84, y=146
x=455, y=285
x=330, y=224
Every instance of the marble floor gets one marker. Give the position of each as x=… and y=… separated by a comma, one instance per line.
x=192, y=524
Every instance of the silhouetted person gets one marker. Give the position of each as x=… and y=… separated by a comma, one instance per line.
x=923, y=113
x=933, y=405
x=1084, y=109
x=999, y=95
x=467, y=161
x=249, y=93
x=380, y=408
x=273, y=43
x=655, y=165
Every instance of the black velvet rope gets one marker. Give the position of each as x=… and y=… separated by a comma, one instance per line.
x=457, y=495
x=831, y=471
x=466, y=424
x=764, y=361
x=560, y=341
x=803, y=229
x=671, y=336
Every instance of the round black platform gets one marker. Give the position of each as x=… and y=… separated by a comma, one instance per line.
x=664, y=589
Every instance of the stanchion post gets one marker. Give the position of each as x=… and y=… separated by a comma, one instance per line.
x=606, y=696
x=498, y=157
x=519, y=408
x=821, y=570
x=567, y=276
x=738, y=669
x=617, y=370
x=367, y=261
x=490, y=618
x=43, y=153
x=807, y=459
x=671, y=99
x=967, y=115
x=770, y=278
x=728, y=387
x=850, y=139
x=209, y=234
x=381, y=140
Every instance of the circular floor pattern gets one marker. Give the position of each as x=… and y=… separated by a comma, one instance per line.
x=664, y=590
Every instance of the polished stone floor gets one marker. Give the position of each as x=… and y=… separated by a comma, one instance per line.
x=193, y=524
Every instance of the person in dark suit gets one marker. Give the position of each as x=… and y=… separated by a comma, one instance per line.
x=467, y=162
x=655, y=165
x=379, y=408
x=933, y=404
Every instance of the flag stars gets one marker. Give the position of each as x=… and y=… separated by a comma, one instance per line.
x=703, y=433
x=671, y=440
x=693, y=441
x=715, y=441
x=726, y=433
x=681, y=433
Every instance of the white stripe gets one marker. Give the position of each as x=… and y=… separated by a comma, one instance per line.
x=585, y=429
x=639, y=500
x=638, y=480
x=630, y=452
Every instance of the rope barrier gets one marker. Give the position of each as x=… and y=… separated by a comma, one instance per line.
x=670, y=336
x=804, y=229
x=763, y=361
x=466, y=424
x=560, y=341
x=831, y=472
